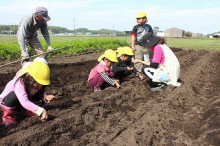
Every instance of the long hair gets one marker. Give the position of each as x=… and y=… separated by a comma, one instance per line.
x=28, y=84
x=161, y=41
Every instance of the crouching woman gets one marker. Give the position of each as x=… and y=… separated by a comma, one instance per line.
x=25, y=91
x=164, y=67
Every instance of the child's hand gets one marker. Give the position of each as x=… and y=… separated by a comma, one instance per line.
x=132, y=59
x=135, y=61
x=116, y=80
x=49, y=98
x=117, y=84
x=130, y=68
x=44, y=116
x=133, y=49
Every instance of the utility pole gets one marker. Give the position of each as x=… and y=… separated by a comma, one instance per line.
x=113, y=28
x=10, y=29
x=74, y=26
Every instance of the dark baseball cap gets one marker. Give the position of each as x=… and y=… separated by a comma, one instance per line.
x=150, y=40
x=42, y=12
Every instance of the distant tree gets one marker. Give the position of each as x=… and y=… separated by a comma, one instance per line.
x=58, y=30
x=188, y=34
x=156, y=29
x=14, y=29
x=81, y=30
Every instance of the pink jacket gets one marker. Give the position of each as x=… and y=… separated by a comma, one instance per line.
x=18, y=87
x=101, y=67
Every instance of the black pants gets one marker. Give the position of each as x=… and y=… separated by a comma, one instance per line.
x=150, y=82
x=119, y=74
x=20, y=112
x=11, y=100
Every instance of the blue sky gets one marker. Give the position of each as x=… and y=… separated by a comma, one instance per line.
x=197, y=16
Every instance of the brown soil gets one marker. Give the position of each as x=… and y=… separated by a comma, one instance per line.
x=132, y=115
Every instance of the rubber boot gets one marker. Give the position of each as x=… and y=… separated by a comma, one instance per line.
x=8, y=115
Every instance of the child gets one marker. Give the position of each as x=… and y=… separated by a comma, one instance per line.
x=139, y=32
x=165, y=67
x=101, y=73
x=24, y=91
x=124, y=66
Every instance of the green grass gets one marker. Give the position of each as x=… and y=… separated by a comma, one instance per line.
x=194, y=43
x=9, y=48
x=8, y=39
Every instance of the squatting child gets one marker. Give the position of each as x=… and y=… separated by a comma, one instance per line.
x=101, y=73
x=124, y=66
x=25, y=91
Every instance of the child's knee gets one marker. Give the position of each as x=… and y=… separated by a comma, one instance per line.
x=11, y=100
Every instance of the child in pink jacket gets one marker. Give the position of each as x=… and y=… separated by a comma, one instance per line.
x=101, y=73
x=24, y=92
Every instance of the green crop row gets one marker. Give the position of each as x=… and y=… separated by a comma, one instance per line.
x=10, y=50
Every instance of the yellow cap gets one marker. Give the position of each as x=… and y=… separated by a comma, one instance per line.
x=125, y=50
x=110, y=54
x=142, y=15
x=39, y=71
x=119, y=49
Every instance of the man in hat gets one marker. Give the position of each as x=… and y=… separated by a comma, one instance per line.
x=27, y=33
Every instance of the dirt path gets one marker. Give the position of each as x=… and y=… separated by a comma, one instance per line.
x=132, y=115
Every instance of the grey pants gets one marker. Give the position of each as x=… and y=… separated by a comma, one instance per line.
x=140, y=51
x=34, y=44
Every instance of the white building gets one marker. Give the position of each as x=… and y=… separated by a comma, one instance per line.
x=174, y=32
x=160, y=33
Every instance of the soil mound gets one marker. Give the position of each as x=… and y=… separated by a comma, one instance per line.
x=132, y=115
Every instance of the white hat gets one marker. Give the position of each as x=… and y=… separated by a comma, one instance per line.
x=41, y=60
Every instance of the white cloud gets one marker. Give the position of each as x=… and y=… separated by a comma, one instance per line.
x=201, y=20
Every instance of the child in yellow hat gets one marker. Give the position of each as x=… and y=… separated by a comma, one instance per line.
x=101, y=73
x=124, y=66
x=140, y=32
x=25, y=91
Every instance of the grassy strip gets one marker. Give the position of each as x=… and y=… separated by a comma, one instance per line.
x=11, y=50
x=194, y=43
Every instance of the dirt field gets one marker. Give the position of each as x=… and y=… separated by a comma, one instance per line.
x=132, y=115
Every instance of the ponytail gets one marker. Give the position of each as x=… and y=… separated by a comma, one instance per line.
x=161, y=41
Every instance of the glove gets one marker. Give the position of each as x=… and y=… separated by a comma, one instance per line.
x=50, y=49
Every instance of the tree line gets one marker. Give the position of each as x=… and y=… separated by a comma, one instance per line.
x=12, y=29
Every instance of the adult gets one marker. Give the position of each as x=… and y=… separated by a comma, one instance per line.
x=165, y=67
x=27, y=33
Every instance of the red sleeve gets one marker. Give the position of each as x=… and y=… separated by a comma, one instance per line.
x=134, y=34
